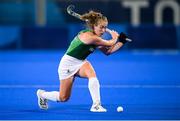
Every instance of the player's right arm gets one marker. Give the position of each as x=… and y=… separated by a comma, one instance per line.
x=101, y=42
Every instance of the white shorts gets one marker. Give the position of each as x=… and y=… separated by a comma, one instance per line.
x=69, y=66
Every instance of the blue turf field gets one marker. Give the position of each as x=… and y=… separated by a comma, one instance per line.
x=145, y=83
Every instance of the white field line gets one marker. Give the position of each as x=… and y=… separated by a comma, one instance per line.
x=86, y=86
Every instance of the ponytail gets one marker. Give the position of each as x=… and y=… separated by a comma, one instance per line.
x=92, y=18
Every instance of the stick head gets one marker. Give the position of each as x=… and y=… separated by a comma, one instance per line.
x=70, y=9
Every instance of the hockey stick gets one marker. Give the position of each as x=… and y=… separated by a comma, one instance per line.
x=73, y=13
x=70, y=11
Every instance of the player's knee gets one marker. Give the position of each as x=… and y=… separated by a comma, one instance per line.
x=64, y=98
x=91, y=75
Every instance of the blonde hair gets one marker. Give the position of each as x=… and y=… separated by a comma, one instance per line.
x=92, y=18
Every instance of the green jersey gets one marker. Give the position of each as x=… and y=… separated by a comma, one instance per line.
x=78, y=49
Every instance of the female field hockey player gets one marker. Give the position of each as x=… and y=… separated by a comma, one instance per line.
x=74, y=62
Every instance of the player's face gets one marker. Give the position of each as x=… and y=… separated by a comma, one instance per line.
x=100, y=28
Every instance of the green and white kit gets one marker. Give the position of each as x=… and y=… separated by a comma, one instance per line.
x=74, y=57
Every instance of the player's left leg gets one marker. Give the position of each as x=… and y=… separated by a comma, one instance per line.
x=87, y=71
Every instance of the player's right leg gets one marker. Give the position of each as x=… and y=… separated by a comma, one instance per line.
x=42, y=102
x=62, y=95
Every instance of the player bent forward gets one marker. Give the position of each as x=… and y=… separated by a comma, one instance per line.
x=74, y=62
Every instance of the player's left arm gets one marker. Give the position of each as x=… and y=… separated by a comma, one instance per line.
x=112, y=49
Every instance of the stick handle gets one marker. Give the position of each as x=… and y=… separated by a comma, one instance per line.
x=127, y=39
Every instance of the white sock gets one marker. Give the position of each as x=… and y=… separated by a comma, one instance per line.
x=94, y=88
x=53, y=96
